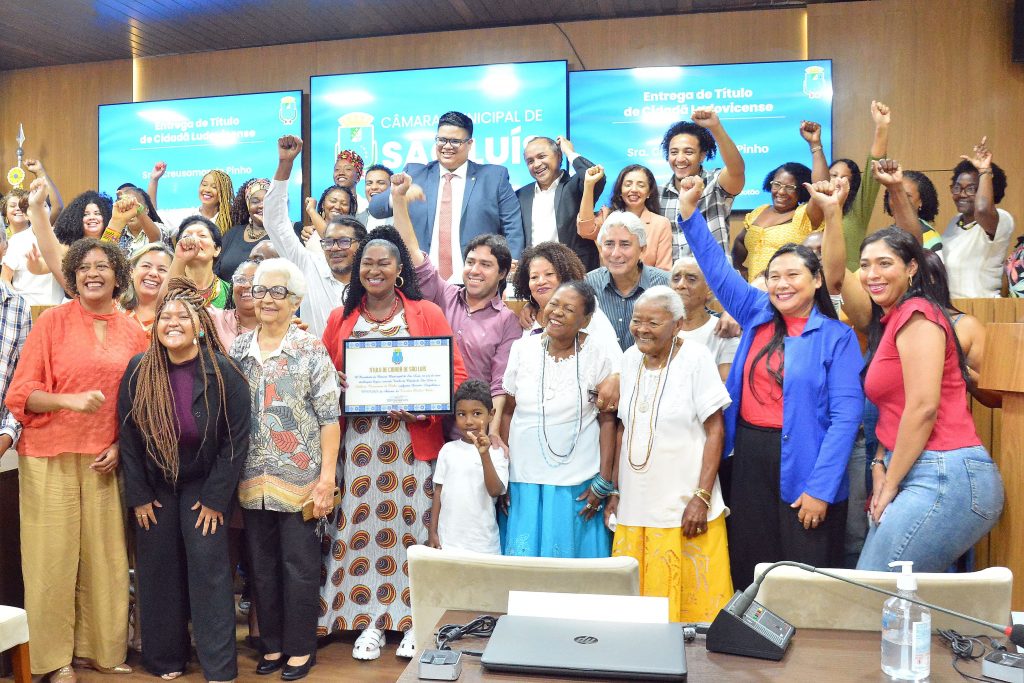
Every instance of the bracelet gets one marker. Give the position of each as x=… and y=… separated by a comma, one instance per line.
x=601, y=487
x=816, y=148
x=879, y=461
x=704, y=495
x=984, y=171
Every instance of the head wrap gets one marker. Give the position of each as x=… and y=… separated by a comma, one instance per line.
x=255, y=185
x=357, y=161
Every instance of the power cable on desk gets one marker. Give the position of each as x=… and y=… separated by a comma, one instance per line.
x=481, y=627
x=964, y=647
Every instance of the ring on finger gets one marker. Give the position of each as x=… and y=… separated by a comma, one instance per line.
x=589, y=506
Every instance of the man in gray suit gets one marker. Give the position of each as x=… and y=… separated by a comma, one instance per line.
x=551, y=204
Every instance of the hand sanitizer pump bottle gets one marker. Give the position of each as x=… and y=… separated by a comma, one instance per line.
x=906, y=631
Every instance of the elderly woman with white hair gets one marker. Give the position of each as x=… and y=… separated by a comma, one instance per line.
x=669, y=508
x=292, y=457
x=624, y=275
x=698, y=324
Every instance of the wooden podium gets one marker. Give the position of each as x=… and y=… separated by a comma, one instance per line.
x=1002, y=370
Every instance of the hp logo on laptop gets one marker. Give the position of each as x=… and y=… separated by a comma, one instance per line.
x=585, y=640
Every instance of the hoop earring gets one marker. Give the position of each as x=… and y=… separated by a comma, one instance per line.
x=400, y=281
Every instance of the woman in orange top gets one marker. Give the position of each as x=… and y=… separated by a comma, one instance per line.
x=789, y=218
x=64, y=393
x=636, y=191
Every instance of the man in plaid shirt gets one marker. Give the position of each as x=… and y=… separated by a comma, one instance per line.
x=15, y=322
x=686, y=146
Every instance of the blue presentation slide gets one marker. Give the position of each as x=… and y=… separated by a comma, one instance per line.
x=390, y=117
x=618, y=117
x=234, y=133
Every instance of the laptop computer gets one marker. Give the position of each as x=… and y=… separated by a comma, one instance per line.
x=596, y=649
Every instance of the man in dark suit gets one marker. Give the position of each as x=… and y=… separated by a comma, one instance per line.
x=550, y=205
x=464, y=199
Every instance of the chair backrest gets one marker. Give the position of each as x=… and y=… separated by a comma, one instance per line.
x=441, y=580
x=809, y=600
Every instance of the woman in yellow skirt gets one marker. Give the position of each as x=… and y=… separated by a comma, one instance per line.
x=668, y=512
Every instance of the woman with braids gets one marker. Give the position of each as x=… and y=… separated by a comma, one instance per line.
x=184, y=414
x=386, y=503
x=195, y=255
x=248, y=230
x=150, y=266
x=215, y=195
x=292, y=461
x=796, y=403
x=87, y=215
x=72, y=526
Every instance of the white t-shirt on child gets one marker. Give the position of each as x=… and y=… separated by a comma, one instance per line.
x=467, y=520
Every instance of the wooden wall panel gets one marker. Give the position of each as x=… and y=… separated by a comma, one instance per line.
x=58, y=107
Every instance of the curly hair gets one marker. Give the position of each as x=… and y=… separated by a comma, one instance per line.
x=801, y=173
x=652, y=203
x=382, y=236
x=76, y=254
x=564, y=260
x=153, y=403
x=704, y=138
x=15, y=192
x=69, y=223
x=925, y=190
x=352, y=203
x=225, y=193
x=474, y=390
x=240, y=204
x=998, y=178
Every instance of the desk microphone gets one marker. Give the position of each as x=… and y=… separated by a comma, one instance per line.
x=745, y=627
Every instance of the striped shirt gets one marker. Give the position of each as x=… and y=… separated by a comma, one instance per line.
x=618, y=308
x=715, y=204
x=15, y=322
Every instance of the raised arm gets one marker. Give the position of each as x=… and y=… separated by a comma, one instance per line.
x=881, y=116
x=403, y=192
x=159, y=168
x=49, y=247
x=275, y=205
x=825, y=197
x=586, y=226
x=734, y=174
x=889, y=173
x=984, y=201
x=35, y=167
x=737, y=297
x=811, y=133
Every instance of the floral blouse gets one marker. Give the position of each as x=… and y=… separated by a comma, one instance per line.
x=294, y=392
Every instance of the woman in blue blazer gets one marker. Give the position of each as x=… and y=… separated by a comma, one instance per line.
x=796, y=404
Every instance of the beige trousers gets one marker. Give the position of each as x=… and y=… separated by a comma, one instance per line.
x=74, y=562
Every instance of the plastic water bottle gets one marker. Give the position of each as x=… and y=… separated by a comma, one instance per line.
x=906, y=631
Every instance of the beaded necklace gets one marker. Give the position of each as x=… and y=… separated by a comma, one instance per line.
x=545, y=447
x=376, y=323
x=643, y=407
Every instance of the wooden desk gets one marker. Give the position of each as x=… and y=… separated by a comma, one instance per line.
x=813, y=655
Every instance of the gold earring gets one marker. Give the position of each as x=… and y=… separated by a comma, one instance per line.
x=400, y=281
x=910, y=281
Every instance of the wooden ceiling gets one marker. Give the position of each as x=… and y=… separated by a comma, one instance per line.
x=50, y=32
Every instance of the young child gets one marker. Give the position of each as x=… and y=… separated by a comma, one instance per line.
x=470, y=474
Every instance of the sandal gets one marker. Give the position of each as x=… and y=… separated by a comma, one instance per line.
x=368, y=644
x=121, y=668
x=407, y=648
x=65, y=674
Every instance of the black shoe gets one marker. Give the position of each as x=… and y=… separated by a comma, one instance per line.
x=269, y=666
x=294, y=673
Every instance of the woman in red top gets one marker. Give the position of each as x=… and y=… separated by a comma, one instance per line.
x=386, y=458
x=936, y=491
x=64, y=394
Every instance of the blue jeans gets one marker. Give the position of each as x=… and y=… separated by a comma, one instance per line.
x=945, y=504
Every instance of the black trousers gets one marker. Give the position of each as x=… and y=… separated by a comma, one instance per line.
x=177, y=567
x=284, y=553
x=763, y=527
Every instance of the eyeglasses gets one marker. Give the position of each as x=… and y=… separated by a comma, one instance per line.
x=241, y=280
x=337, y=242
x=279, y=292
x=776, y=186
x=454, y=142
x=965, y=190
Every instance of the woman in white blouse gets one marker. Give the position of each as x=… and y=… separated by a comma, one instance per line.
x=668, y=511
